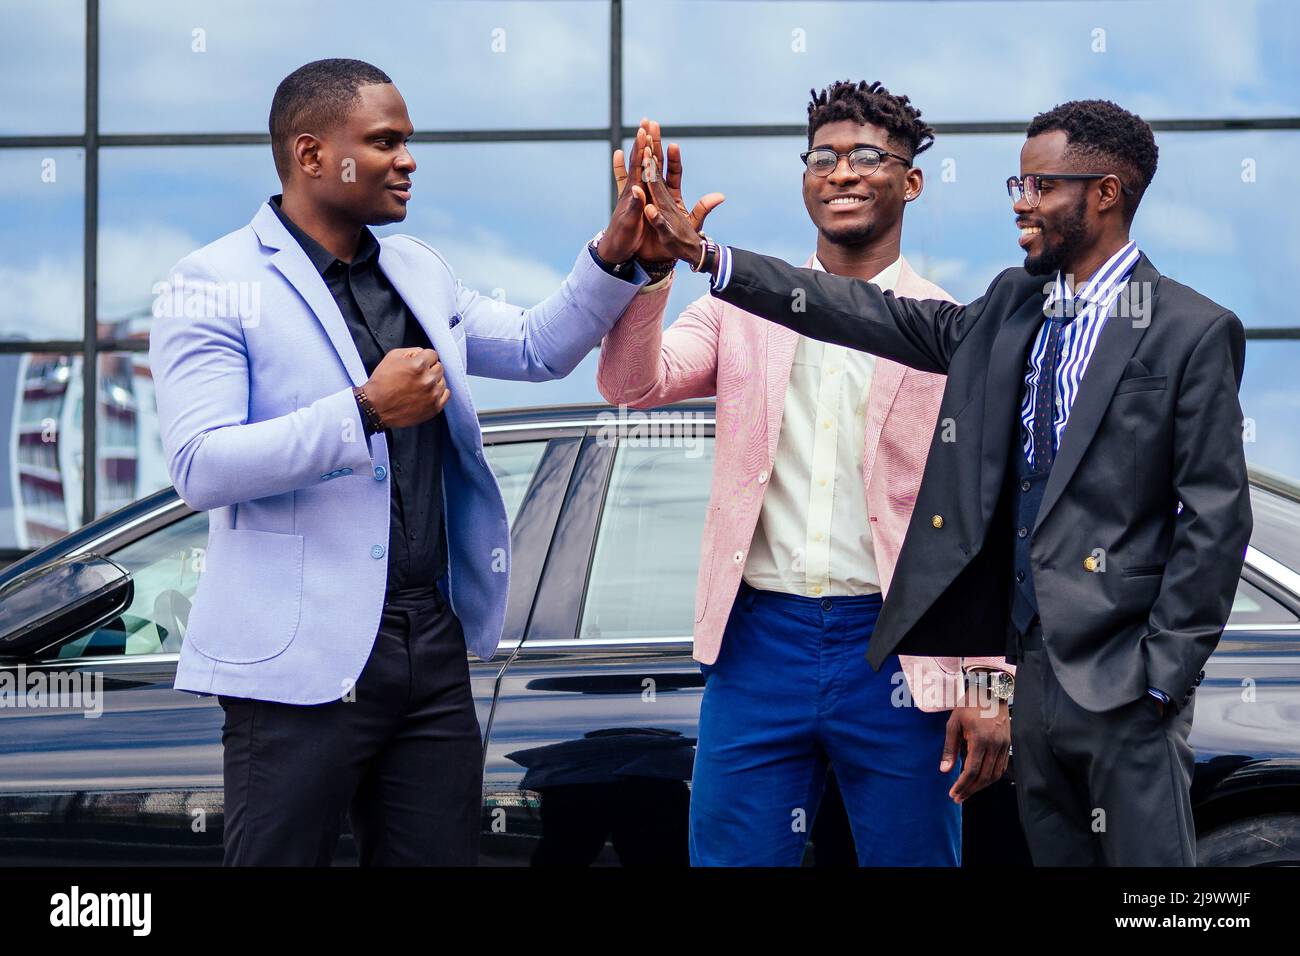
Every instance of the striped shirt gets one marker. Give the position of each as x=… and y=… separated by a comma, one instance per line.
x=722, y=274
x=1091, y=305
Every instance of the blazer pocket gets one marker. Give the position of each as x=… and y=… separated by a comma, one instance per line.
x=1143, y=383
x=249, y=599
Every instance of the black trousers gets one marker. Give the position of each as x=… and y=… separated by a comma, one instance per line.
x=1099, y=789
x=402, y=757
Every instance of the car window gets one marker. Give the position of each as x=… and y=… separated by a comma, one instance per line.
x=164, y=567
x=1276, y=527
x=1251, y=606
x=514, y=464
x=647, y=554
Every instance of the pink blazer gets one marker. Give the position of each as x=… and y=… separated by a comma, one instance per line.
x=716, y=349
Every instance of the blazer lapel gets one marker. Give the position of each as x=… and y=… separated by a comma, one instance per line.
x=422, y=300
x=1003, y=385
x=886, y=379
x=779, y=346
x=1115, y=346
x=289, y=259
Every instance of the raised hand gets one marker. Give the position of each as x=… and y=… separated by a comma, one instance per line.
x=676, y=231
x=669, y=171
x=627, y=226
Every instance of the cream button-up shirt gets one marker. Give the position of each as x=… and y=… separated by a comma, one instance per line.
x=813, y=535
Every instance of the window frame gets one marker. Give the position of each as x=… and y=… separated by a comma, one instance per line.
x=615, y=133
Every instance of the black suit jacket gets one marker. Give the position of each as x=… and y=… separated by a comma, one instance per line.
x=1156, y=422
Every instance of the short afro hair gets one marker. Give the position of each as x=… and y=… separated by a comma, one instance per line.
x=1107, y=138
x=870, y=103
x=313, y=98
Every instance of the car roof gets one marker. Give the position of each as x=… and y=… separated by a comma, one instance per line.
x=1263, y=481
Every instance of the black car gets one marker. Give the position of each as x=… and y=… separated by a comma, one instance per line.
x=589, y=708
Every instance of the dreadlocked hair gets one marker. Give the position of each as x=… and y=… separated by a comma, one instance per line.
x=870, y=103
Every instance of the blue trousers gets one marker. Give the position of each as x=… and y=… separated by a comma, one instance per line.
x=790, y=693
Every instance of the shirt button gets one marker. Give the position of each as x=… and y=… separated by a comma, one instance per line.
x=380, y=472
x=817, y=589
x=737, y=556
x=817, y=536
x=1023, y=532
x=1024, y=486
x=377, y=551
x=762, y=477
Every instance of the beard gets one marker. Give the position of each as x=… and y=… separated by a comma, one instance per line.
x=1073, y=233
x=853, y=235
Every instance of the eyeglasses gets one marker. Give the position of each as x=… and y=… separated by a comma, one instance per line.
x=864, y=160
x=1027, y=187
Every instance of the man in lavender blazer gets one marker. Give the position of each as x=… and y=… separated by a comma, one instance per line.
x=300, y=364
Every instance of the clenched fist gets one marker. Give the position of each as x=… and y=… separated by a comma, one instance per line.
x=407, y=387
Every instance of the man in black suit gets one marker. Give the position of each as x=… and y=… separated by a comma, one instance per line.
x=1085, y=503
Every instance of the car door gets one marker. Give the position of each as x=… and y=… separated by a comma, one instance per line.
x=133, y=774
x=592, y=742
x=129, y=770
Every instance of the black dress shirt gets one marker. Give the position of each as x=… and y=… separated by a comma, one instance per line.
x=380, y=321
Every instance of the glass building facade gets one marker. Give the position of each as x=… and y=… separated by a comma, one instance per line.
x=134, y=131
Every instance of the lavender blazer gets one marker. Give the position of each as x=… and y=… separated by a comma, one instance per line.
x=253, y=367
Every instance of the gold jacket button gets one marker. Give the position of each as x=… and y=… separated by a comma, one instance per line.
x=937, y=521
x=1090, y=563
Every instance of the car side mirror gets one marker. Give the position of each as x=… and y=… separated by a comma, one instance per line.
x=60, y=600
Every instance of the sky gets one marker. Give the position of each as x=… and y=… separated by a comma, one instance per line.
x=1219, y=216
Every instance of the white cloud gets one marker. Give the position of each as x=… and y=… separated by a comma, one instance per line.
x=1185, y=227
x=484, y=261
x=131, y=261
x=42, y=301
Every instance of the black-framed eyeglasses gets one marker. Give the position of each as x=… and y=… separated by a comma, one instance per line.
x=1028, y=186
x=864, y=160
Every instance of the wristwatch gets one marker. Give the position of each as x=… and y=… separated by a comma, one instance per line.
x=998, y=683
x=708, y=254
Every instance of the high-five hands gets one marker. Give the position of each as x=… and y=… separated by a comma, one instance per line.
x=676, y=230
x=638, y=226
x=627, y=226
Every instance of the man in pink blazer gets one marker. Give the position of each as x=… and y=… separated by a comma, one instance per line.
x=819, y=454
